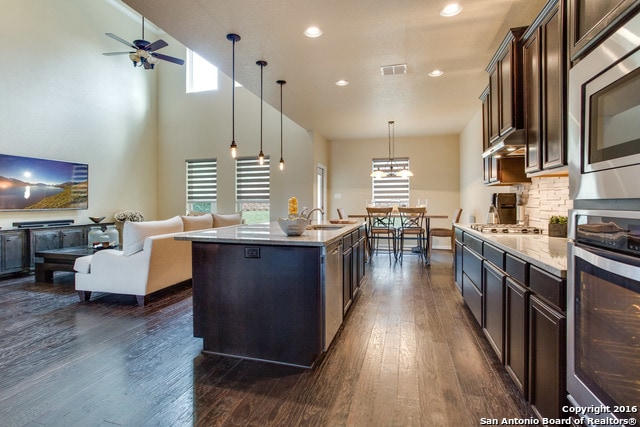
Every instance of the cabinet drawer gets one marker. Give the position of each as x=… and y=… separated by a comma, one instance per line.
x=459, y=233
x=494, y=255
x=472, y=297
x=472, y=266
x=346, y=241
x=517, y=268
x=549, y=287
x=473, y=242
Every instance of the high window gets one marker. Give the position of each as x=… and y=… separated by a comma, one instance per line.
x=253, y=189
x=201, y=74
x=201, y=185
x=392, y=189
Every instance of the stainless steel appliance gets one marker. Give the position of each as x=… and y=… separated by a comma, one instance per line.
x=603, y=129
x=505, y=229
x=502, y=209
x=332, y=283
x=603, y=310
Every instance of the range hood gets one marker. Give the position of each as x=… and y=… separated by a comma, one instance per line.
x=511, y=145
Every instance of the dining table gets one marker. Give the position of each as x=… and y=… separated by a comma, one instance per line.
x=427, y=225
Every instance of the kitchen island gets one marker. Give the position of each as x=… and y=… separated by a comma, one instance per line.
x=259, y=294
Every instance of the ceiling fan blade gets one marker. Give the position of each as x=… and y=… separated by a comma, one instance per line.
x=117, y=53
x=157, y=45
x=123, y=41
x=168, y=58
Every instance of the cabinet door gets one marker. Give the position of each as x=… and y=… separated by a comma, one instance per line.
x=43, y=240
x=458, y=265
x=505, y=66
x=547, y=340
x=493, y=307
x=553, y=68
x=347, y=259
x=361, y=259
x=494, y=104
x=486, y=119
x=13, y=252
x=516, y=312
x=73, y=237
x=532, y=103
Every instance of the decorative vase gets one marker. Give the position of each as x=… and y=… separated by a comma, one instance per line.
x=93, y=238
x=557, y=230
x=114, y=235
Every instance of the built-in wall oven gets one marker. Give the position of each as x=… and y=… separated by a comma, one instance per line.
x=604, y=124
x=603, y=353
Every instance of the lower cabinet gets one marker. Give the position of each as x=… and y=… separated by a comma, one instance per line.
x=472, y=282
x=353, y=258
x=516, y=344
x=12, y=252
x=547, y=340
x=457, y=261
x=56, y=238
x=347, y=265
x=493, y=307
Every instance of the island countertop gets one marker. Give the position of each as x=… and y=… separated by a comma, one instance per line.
x=270, y=234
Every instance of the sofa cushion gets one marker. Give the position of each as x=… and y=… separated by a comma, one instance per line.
x=134, y=233
x=83, y=264
x=197, y=222
x=223, y=220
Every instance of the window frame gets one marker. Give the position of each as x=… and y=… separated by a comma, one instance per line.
x=196, y=189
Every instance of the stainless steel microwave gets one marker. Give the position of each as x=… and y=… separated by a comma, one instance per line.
x=604, y=119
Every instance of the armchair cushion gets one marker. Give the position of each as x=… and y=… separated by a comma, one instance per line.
x=222, y=220
x=83, y=264
x=135, y=233
x=198, y=222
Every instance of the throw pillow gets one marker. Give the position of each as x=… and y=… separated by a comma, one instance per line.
x=199, y=222
x=223, y=220
x=134, y=233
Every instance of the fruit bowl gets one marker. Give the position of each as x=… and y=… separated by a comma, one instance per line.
x=96, y=219
x=293, y=226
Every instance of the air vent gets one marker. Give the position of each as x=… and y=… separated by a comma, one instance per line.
x=387, y=70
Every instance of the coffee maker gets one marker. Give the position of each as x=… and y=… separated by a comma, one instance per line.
x=502, y=209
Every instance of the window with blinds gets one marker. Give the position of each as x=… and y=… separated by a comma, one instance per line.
x=253, y=193
x=391, y=189
x=201, y=185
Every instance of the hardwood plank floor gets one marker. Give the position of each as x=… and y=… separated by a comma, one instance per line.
x=409, y=354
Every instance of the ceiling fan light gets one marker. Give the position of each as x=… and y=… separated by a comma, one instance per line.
x=152, y=59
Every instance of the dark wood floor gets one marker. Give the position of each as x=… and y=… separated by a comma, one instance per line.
x=410, y=354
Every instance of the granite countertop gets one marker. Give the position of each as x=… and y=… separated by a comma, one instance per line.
x=268, y=234
x=547, y=253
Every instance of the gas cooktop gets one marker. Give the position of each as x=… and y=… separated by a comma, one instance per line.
x=505, y=229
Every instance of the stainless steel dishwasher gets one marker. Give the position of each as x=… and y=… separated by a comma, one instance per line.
x=332, y=291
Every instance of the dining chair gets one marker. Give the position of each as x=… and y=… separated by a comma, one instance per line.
x=412, y=224
x=341, y=214
x=445, y=232
x=380, y=226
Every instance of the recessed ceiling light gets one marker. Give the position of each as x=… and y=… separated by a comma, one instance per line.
x=436, y=73
x=451, y=10
x=342, y=83
x=313, y=32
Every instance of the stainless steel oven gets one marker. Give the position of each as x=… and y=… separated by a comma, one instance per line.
x=603, y=352
x=604, y=124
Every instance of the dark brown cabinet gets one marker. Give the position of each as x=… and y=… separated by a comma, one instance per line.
x=516, y=354
x=545, y=99
x=493, y=310
x=504, y=170
x=505, y=86
x=13, y=251
x=591, y=20
x=547, y=367
x=353, y=258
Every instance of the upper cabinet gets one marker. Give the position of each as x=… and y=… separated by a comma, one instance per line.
x=591, y=20
x=545, y=88
x=505, y=87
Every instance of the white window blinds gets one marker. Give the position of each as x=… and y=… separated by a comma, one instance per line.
x=253, y=179
x=391, y=189
x=201, y=181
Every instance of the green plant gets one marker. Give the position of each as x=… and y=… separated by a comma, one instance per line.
x=558, y=219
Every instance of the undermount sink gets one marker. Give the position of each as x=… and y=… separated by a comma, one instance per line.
x=324, y=227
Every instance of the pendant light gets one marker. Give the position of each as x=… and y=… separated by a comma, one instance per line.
x=404, y=173
x=261, y=64
x=233, y=147
x=281, y=83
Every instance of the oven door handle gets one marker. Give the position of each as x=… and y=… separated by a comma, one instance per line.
x=621, y=265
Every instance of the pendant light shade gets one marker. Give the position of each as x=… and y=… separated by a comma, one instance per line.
x=233, y=38
x=404, y=173
x=281, y=83
x=261, y=64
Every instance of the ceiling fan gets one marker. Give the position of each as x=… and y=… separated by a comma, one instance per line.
x=144, y=54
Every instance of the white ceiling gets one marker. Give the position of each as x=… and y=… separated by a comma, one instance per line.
x=359, y=37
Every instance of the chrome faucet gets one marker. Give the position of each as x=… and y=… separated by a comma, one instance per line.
x=308, y=215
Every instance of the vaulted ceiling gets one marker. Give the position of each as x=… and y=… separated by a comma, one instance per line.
x=359, y=36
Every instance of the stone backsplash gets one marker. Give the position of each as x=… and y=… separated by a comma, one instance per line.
x=545, y=197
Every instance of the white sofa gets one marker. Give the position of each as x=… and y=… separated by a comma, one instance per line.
x=150, y=259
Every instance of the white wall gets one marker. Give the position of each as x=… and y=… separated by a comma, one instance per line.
x=63, y=100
